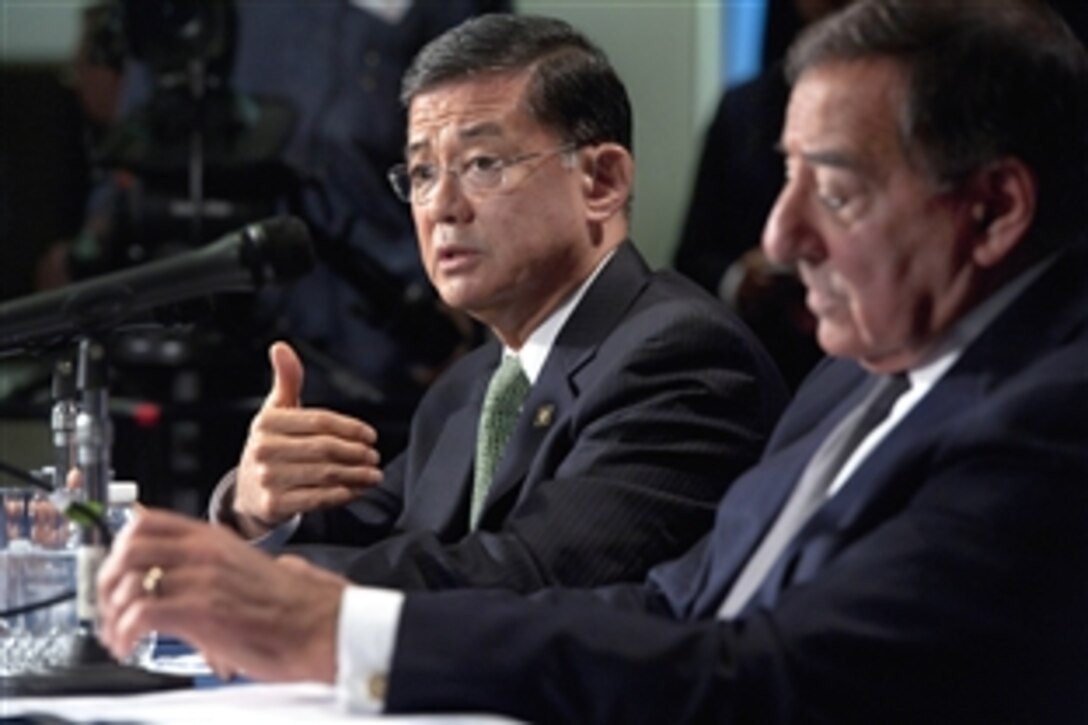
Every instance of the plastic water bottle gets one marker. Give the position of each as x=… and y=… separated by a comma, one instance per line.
x=121, y=507
x=120, y=511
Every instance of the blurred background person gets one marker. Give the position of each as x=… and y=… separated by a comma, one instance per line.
x=738, y=178
x=97, y=77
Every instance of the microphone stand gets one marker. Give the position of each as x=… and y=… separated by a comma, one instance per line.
x=62, y=420
x=90, y=669
x=93, y=443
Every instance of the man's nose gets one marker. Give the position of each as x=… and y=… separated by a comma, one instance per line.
x=789, y=235
x=447, y=202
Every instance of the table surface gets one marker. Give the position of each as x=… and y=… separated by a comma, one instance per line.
x=211, y=701
x=269, y=704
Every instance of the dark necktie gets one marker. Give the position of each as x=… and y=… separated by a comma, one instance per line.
x=498, y=416
x=812, y=486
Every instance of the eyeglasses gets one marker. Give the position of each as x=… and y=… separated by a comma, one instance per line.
x=478, y=175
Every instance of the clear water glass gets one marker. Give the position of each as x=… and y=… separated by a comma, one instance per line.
x=37, y=640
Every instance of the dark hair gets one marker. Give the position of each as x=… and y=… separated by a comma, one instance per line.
x=573, y=90
x=986, y=79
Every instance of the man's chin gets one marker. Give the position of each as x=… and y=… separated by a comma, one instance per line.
x=844, y=342
x=837, y=339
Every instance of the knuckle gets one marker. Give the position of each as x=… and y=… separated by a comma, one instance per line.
x=261, y=447
x=331, y=474
x=257, y=424
x=325, y=447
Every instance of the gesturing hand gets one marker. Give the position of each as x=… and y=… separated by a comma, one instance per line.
x=270, y=619
x=299, y=459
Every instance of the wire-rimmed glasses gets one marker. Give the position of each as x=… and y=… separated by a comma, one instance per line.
x=478, y=175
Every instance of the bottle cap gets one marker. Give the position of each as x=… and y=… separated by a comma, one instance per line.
x=123, y=492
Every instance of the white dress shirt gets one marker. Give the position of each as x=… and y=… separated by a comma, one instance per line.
x=926, y=375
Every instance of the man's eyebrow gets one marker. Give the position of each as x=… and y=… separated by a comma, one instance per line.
x=468, y=133
x=828, y=157
x=486, y=128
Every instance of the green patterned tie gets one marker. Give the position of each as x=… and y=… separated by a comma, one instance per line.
x=505, y=393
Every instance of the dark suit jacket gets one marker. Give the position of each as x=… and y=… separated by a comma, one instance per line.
x=652, y=401
x=946, y=582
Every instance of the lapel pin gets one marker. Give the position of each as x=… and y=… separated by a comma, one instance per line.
x=545, y=414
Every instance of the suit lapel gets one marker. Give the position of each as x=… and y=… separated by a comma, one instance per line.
x=444, y=486
x=881, y=485
x=881, y=482
x=556, y=389
x=546, y=403
x=754, y=501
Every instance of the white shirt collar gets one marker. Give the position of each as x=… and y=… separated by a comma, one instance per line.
x=534, y=353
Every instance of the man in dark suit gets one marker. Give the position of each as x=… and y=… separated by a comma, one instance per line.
x=644, y=398
x=926, y=564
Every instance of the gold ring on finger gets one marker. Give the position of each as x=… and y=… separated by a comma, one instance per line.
x=152, y=581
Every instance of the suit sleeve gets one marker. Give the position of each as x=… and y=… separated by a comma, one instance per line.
x=964, y=601
x=654, y=443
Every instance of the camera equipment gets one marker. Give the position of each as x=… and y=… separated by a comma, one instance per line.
x=204, y=156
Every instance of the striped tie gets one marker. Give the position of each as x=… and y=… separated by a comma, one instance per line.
x=499, y=415
x=811, y=489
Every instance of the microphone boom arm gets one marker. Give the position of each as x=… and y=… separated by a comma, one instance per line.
x=277, y=249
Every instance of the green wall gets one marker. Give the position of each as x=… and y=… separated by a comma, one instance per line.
x=667, y=54
x=38, y=30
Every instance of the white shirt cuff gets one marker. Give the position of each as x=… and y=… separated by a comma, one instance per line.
x=365, y=639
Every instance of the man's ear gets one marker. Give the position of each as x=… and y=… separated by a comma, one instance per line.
x=607, y=177
x=1004, y=196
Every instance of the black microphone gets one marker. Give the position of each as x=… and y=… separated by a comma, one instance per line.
x=274, y=250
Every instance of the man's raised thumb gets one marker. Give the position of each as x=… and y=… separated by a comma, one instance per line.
x=286, y=377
